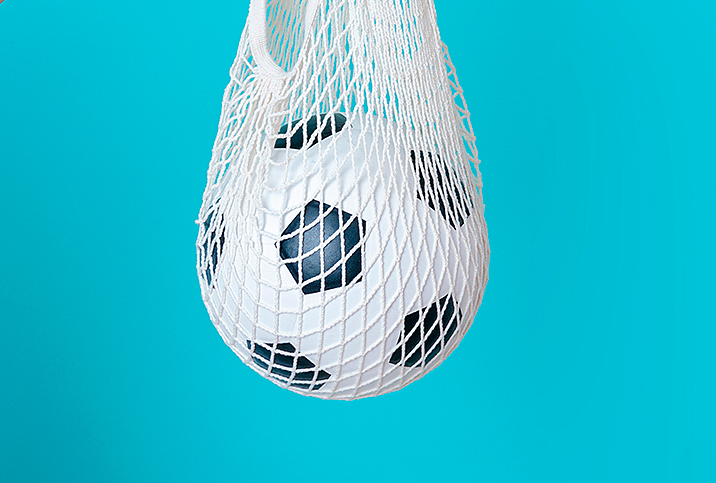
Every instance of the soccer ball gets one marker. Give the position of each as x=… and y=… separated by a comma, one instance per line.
x=360, y=275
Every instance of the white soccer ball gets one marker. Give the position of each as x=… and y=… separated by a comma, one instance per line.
x=362, y=273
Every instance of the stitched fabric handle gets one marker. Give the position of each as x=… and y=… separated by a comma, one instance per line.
x=257, y=36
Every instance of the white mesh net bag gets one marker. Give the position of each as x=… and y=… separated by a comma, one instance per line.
x=342, y=249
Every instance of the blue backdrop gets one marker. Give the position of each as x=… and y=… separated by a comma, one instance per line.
x=591, y=358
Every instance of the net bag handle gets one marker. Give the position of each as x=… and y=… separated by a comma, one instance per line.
x=257, y=37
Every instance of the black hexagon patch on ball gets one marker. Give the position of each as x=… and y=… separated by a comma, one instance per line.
x=286, y=365
x=213, y=245
x=328, y=255
x=425, y=332
x=439, y=190
x=307, y=128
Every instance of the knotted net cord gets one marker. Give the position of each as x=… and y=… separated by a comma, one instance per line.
x=403, y=175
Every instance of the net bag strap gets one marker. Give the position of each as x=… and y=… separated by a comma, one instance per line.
x=257, y=37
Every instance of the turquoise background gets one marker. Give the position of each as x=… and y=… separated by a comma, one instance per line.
x=591, y=358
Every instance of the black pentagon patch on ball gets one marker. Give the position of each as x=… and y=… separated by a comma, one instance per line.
x=420, y=339
x=213, y=246
x=441, y=191
x=329, y=249
x=281, y=358
x=335, y=124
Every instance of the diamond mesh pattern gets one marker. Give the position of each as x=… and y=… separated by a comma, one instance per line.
x=342, y=249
